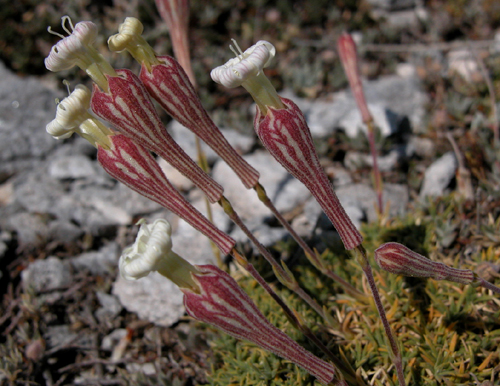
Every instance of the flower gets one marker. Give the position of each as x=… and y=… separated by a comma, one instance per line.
x=72, y=116
x=127, y=106
x=71, y=113
x=285, y=134
x=72, y=50
x=129, y=38
x=152, y=251
x=77, y=49
x=221, y=302
x=283, y=130
x=152, y=243
x=246, y=65
x=247, y=70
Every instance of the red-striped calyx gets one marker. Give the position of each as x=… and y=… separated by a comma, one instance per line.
x=128, y=107
x=401, y=260
x=135, y=167
x=222, y=303
x=129, y=163
x=167, y=82
x=285, y=134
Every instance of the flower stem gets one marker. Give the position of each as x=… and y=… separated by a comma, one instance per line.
x=283, y=275
x=295, y=320
x=396, y=354
x=488, y=285
x=377, y=177
x=310, y=254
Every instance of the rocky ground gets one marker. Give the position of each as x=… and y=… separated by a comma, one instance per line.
x=68, y=318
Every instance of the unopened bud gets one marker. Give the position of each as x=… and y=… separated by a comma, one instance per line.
x=349, y=58
x=398, y=259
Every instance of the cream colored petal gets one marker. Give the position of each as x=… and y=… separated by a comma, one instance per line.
x=153, y=243
x=245, y=66
x=65, y=54
x=86, y=32
x=71, y=112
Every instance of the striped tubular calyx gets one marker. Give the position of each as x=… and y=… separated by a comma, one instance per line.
x=401, y=260
x=222, y=303
x=169, y=85
x=128, y=107
x=135, y=167
x=285, y=134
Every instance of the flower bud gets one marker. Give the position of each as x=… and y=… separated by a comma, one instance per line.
x=349, y=58
x=399, y=259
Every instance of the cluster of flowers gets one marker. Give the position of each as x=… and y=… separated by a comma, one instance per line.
x=124, y=100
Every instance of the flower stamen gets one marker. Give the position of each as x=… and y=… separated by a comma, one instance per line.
x=63, y=22
x=77, y=49
x=52, y=32
x=238, y=55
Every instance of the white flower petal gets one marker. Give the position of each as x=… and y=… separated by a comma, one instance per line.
x=127, y=32
x=86, y=31
x=153, y=243
x=66, y=53
x=246, y=65
x=70, y=114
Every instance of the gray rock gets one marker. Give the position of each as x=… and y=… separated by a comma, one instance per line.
x=397, y=97
x=175, y=177
x=364, y=198
x=37, y=192
x=186, y=139
x=101, y=262
x=355, y=160
x=265, y=234
x=423, y=147
x=464, y=63
x=153, y=298
x=385, y=119
x=64, y=231
x=147, y=369
x=393, y=4
x=284, y=191
x=6, y=193
x=439, y=175
x=340, y=175
x=63, y=335
x=110, y=341
x=97, y=205
x=26, y=106
x=403, y=18
x=402, y=95
x=3, y=249
x=74, y=167
x=118, y=203
x=46, y=275
x=110, y=307
x=192, y=245
x=31, y=229
x=323, y=116
x=59, y=336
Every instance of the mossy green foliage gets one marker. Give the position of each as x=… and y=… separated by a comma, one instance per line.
x=446, y=331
